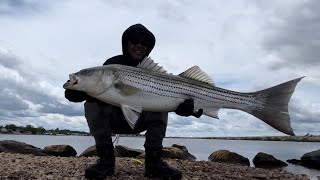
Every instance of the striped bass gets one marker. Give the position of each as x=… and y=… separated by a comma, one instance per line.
x=148, y=87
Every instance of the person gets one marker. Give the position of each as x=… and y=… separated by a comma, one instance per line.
x=104, y=119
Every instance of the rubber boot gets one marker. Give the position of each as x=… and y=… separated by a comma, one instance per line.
x=155, y=167
x=105, y=164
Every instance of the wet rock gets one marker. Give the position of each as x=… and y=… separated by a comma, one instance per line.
x=60, y=150
x=11, y=146
x=311, y=159
x=225, y=156
x=295, y=161
x=187, y=155
x=263, y=160
x=125, y=151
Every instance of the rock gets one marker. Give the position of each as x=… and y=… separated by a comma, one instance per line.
x=174, y=153
x=187, y=155
x=60, y=150
x=124, y=151
x=295, y=161
x=11, y=146
x=92, y=151
x=89, y=152
x=183, y=148
x=263, y=160
x=225, y=156
x=311, y=159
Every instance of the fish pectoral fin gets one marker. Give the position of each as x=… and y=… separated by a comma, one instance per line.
x=131, y=114
x=197, y=74
x=213, y=112
x=126, y=89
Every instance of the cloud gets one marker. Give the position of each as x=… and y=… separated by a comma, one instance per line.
x=294, y=36
x=23, y=95
x=10, y=101
x=243, y=45
x=20, y=7
x=8, y=59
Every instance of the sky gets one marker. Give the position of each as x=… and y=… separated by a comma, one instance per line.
x=243, y=46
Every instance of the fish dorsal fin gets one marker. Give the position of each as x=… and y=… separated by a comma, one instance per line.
x=197, y=74
x=147, y=63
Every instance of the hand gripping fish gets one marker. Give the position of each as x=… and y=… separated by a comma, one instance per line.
x=148, y=87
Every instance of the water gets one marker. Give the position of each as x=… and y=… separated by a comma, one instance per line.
x=201, y=148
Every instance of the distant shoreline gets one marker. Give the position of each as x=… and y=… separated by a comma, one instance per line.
x=307, y=138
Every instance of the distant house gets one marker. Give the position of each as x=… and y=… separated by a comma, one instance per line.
x=17, y=131
x=3, y=131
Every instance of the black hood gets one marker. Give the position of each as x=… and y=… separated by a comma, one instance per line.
x=133, y=29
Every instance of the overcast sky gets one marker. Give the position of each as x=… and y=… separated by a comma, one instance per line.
x=244, y=46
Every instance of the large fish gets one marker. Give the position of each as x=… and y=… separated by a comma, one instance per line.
x=148, y=87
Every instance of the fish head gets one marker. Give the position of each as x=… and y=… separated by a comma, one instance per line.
x=93, y=81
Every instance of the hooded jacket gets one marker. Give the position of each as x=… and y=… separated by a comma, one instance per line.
x=125, y=58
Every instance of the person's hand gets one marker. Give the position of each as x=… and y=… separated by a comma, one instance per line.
x=187, y=109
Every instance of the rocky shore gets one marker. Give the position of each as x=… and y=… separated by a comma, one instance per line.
x=26, y=166
x=23, y=161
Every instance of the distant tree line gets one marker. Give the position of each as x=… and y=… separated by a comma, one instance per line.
x=29, y=129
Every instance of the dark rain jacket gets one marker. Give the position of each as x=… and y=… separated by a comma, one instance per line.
x=124, y=59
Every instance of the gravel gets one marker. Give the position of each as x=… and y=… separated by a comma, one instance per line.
x=21, y=166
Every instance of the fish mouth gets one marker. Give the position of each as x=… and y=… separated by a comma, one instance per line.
x=71, y=82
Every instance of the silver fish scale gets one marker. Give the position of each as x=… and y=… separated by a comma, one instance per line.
x=170, y=86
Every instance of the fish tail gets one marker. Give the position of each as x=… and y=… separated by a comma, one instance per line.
x=274, y=109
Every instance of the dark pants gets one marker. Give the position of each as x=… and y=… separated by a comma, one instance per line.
x=104, y=119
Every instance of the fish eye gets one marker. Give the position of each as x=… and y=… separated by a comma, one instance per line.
x=85, y=72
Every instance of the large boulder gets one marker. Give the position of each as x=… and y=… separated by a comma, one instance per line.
x=225, y=156
x=92, y=151
x=124, y=151
x=267, y=161
x=175, y=152
x=186, y=155
x=89, y=152
x=60, y=150
x=310, y=160
x=169, y=152
x=11, y=146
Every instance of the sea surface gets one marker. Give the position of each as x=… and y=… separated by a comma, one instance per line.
x=201, y=148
